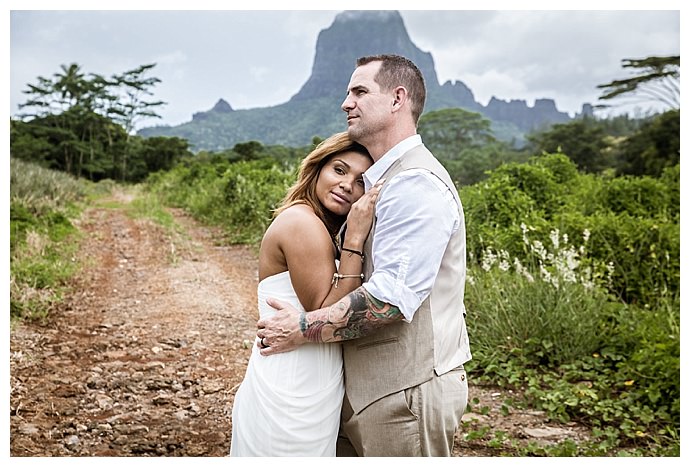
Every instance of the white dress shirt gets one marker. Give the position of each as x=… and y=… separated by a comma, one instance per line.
x=416, y=216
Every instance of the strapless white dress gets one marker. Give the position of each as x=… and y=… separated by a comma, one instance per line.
x=288, y=404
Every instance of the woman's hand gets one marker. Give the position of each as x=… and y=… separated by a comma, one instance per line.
x=361, y=217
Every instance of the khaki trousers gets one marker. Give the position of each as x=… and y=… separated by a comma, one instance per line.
x=418, y=421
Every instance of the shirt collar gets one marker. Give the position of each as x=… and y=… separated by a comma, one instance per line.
x=376, y=171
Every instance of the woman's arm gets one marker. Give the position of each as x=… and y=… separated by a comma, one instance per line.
x=305, y=244
x=309, y=253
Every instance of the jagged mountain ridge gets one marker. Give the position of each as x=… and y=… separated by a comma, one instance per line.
x=315, y=109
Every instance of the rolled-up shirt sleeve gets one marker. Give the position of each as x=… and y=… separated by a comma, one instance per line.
x=416, y=215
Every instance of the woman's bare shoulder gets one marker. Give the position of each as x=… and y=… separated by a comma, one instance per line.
x=296, y=222
x=298, y=218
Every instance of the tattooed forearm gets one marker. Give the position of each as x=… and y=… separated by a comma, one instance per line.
x=356, y=315
x=366, y=313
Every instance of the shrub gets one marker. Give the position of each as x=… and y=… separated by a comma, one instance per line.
x=250, y=194
x=633, y=221
x=546, y=305
x=41, y=236
x=238, y=196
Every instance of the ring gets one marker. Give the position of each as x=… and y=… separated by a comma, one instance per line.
x=263, y=345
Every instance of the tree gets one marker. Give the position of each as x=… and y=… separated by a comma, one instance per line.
x=64, y=105
x=464, y=143
x=473, y=164
x=249, y=150
x=83, y=118
x=159, y=153
x=130, y=103
x=451, y=130
x=583, y=141
x=88, y=146
x=54, y=96
x=653, y=147
x=658, y=79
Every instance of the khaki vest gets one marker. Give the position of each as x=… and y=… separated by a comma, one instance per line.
x=402, y=355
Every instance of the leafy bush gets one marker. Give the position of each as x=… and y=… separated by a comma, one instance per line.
x=644, y=254
x=547, y=304
x=250, y=195
x=544, y=324
x=573, y=295
x=629, y=391
x=239, y=196
x=638, y=197
x=548, y=193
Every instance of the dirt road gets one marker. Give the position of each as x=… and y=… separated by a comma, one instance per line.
x=145, y=355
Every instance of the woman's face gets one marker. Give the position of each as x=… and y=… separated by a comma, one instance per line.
x=340, y=181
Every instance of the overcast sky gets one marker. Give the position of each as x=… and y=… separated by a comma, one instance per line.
x=262, y=58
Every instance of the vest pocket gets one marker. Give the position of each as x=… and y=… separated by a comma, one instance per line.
x=390, y=340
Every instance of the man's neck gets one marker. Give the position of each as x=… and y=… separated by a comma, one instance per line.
x=380, y=145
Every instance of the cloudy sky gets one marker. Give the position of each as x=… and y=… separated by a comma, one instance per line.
x=262, y=58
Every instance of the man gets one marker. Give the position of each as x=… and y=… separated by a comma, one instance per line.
x=403, y=331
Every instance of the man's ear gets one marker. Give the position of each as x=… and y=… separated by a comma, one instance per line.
x=399, y=98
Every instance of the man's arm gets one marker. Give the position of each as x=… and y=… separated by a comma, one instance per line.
x=355, y=315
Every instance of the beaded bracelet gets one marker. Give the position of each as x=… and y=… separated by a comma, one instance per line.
x=337, y=277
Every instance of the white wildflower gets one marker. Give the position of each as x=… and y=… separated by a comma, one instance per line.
x=525, y=229
x=538, y=248
x=610, y=268
x=585, y=235
x=545, y=274
x=554, y=238
x=520, y=269
x=571, y=260
x=488, y=259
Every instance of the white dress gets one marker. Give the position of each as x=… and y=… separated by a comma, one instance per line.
x=288, y=404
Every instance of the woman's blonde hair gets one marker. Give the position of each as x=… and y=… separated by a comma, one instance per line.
x=304, y=189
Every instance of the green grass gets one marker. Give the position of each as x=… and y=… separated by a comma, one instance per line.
x=146, y=205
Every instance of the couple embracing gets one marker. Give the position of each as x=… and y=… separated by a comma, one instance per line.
x=361, y=337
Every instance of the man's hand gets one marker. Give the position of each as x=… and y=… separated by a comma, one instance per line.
x=281, y=332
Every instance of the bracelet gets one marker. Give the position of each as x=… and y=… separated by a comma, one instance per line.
x=337, y=277
x=359, y=253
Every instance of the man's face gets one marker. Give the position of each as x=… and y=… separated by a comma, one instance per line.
x=368, y=108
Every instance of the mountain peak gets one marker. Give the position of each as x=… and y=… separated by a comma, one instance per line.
x=354, y=34
x=222, y=106
x=367, y=15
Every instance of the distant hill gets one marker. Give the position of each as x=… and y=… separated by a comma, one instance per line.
x=315, y=109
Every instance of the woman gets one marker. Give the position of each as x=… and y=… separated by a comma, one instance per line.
x=289, y=404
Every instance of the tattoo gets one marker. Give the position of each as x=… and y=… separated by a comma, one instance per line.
x=311, y=331
x=356, y=315
x=303, y=325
